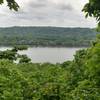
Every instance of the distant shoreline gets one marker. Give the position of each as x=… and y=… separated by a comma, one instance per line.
x=47, y=36
x=30, y=46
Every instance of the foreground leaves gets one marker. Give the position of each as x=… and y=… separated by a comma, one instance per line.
x=73, y=80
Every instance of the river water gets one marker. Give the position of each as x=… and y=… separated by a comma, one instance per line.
x=48, y=54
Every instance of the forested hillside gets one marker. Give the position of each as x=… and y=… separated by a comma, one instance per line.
x=46, y=36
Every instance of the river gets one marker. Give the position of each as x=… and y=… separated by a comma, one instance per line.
x=48, y=54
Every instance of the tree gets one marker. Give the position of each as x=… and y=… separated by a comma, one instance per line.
x=13, y=54
x=92, y=9
x=24, y=59
x=12, y=4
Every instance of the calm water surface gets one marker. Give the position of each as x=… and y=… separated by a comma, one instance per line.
x=48, y=54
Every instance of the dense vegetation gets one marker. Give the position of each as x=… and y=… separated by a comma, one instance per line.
x=73, y=80
x=46, y=36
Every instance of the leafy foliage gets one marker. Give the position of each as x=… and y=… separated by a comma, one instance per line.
x=13, y=55
x=92, y=9
x=73, y=80
x=11, y=4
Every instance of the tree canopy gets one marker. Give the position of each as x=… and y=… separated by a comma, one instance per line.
x=12, y=4
x=47, y=36
x=92, y=9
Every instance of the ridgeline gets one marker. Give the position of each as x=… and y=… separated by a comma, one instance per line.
x=47, y=36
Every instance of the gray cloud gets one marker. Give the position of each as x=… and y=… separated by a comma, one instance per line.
x=45, y=12
x=37, y=4
x=65, y=7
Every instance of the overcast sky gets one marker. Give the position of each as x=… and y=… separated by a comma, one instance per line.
x=65, y=13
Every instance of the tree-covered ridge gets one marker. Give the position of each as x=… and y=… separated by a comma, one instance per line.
x=73, y=80
x=46, y=36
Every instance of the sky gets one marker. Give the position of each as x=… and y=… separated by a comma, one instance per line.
x=59, y=13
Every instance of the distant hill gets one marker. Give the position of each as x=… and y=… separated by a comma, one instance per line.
x=46, y=36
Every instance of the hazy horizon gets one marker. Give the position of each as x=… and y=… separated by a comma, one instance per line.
x=46, y=26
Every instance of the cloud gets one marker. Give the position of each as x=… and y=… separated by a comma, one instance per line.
x=40, y=4
x=43, y=10
x=65, y=7
x=46, y=12
x=37, y=4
